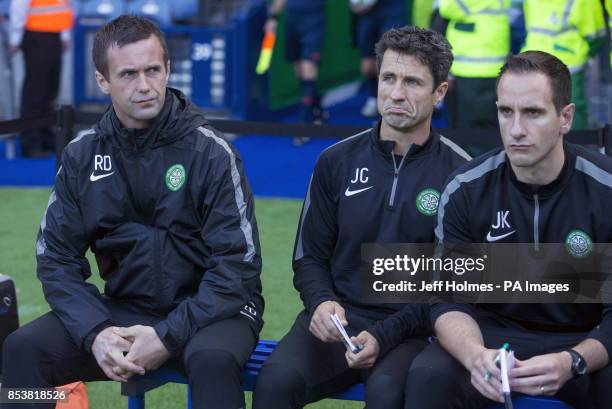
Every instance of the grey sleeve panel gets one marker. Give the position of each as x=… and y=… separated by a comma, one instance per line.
x=245, y=224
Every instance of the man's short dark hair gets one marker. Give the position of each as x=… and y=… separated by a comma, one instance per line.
x=558, y=74
x=123, y=30
x=429, y=47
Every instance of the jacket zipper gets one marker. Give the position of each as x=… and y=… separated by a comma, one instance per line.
x=536, y=222
x=158, y=272
x=396, y=170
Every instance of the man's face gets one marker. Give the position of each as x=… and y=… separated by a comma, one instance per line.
x=137, y=79
x=405, y=91
x=530, y=127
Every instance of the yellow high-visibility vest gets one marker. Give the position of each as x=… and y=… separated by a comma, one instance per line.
x=609, y=9
x=563, y=28
x=49, y=16
x=479, y=31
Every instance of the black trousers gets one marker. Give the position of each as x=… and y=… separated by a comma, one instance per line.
x=302, y=369
x=41, y=354
x=42, y=53
x=452, y=387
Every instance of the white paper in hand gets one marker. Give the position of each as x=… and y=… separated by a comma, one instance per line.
x=506, y=361
x=345, y=338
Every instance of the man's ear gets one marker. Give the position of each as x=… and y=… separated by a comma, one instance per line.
x=566, y=116
x=440, y=92
x=167, y=71
x=102, y=83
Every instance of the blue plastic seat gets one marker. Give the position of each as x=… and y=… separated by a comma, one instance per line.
x=156, y=10
x=4, y=7
x=103, y=9
x=136, y=388
x=184, y=9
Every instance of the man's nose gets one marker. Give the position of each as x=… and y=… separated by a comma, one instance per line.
x=143, y=85
x=397, y=92
x=517, y=130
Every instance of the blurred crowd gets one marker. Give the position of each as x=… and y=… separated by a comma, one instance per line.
x=481, y=32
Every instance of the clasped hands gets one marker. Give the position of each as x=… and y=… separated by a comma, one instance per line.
x=322, y=327
x=539, y=375
x=125, y=351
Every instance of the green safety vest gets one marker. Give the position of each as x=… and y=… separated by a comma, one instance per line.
x=479, y=31
x=564, y=28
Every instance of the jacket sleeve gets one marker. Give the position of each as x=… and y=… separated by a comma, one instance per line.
x=315, y=241
x=232, y=252
x=62, y=266
x=603, y=332
x=452, y=228
x=588, y=17
x=410, y=321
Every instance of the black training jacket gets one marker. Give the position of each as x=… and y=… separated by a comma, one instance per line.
x=577, y=201
x=169, y=216
x=354, y=197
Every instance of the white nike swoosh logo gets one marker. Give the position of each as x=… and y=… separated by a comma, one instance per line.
x=350, y=192
x=495, y=238
x=93, y=177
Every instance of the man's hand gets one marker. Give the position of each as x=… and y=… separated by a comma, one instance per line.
x=485, y=375
x=542, y=374
x=321, y=325
x=108, y=349
x=147, y=349
x=12, y=49
x=366, y=358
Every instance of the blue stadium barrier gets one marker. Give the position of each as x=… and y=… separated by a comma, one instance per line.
x=136, y=388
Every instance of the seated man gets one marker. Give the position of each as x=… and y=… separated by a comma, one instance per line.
x=549, y=191
x=365, y=189
x=160, y=198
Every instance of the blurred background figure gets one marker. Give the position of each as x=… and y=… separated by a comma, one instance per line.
x=304, y=31
x=41, y=29
x=6, y=97
x=371, y=19
x=571, y=30
x=479, y=32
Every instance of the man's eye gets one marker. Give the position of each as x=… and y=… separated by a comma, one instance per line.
x=533, y=112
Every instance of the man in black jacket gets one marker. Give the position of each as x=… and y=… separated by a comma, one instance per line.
x=161, y=200
x=366, y=189
x=537, y=189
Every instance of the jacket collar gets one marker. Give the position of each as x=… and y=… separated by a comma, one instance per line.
x=553, y=187
x=177, y=118
x=386, y=147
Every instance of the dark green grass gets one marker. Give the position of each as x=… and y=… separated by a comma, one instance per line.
x=20, y=214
